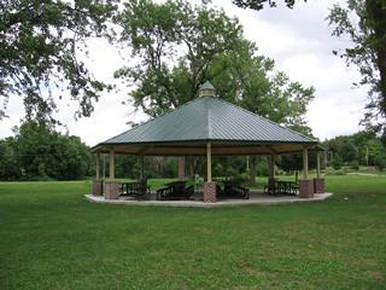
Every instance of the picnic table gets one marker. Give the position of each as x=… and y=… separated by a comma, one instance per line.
x=232, y=189
x=176, y=190
x=137, y=189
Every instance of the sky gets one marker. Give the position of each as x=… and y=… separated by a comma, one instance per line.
x=298, y=40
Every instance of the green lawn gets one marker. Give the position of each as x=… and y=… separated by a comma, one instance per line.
x=52, y=238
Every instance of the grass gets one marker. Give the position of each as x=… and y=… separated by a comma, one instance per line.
x=51, y=238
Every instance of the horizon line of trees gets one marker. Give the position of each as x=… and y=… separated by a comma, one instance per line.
x=38, y=152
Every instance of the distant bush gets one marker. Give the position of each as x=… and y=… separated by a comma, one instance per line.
x=337, y=163
x=354, y=165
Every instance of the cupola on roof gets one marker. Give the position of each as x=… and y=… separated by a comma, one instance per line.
x=207, y=90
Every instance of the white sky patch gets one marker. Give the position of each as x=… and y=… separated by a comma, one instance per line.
x=300, y=42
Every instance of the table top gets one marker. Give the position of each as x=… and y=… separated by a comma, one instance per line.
x=176, y=182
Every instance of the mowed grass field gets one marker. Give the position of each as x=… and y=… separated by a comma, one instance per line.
x=52, y=238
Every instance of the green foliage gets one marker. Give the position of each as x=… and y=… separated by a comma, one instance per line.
x=337, y=162
x=364, y=23
x=127, y=166
x=363, y=148
x=40, y=42
x=262, y=166
x=354, y=165
x=380, y=161
x=259, y=4
x=9, y=169
x=290, y=162
x=37, y=152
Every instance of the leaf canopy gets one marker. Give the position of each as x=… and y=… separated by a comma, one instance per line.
x=41, y=41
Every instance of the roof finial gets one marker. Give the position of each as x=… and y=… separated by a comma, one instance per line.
x=207, y=90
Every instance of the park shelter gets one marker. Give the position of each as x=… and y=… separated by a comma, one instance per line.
x=207, y=126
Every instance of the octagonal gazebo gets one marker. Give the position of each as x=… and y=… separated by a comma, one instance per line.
x=209, y=126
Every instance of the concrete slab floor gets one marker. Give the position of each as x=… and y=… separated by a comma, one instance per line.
x=256, y=198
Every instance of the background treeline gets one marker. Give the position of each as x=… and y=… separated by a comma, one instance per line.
x=39, y=152
x=361, y=149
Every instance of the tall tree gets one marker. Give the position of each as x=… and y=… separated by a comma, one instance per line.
x=41, y=152
x=40, y=41
x=9, y=169
x=364, y=22
x=179, y=46
x=176, y=43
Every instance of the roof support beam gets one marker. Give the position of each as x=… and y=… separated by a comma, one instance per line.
x=269, y=149
x=145, y=149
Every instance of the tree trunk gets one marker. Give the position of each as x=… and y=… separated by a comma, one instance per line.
x=181, y=167
x=252, y=169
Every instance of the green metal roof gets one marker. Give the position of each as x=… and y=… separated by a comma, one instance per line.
x=209, y=119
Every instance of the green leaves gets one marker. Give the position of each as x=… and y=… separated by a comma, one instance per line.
x=40, y=44
x=38, y=152
x=259, y=4
x=364, y=22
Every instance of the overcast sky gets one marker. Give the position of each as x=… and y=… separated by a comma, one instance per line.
x=300, y=42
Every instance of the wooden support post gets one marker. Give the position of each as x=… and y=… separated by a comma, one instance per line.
x=181, y=167
x=97, y=167
x=104, y=167
x=112, y=165
x=142, y=173
x=271, y=166
x=305, y=164
x=209, y=161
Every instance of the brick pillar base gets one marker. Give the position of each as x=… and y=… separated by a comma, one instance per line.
x=319, y=185
x=306, y=188
x=111, y=190
x=97, y=187
x=210, y=192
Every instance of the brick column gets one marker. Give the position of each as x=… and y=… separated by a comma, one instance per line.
x=97, y=187
x=306, y=188
x=210, y=192
x=319, y=185
x=111, y=190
